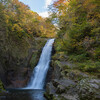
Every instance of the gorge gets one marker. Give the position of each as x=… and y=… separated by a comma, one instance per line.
x=67, y=67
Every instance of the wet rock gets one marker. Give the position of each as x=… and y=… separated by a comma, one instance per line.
x=70, y=97
x=50, y=91
x=95, y=81
x=83, y=75
x=2, y=74
x=64, y=63
x=63, y=84
x=50, y=88
x=94, y=86
x=60, y=89
x=75, y=75
x=88, y=88
x=71, y=75
x=2, y=89
x=55, y=82
x=56, y=71
x=19, y=83
x=97, y=97
x=67, y=82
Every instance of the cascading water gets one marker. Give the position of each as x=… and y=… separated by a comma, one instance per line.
x=39, y=74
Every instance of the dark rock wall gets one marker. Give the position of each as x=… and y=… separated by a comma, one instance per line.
x=15, y=72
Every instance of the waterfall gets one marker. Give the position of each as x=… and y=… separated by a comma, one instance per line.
x=40, y=71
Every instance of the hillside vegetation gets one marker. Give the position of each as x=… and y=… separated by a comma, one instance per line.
x=78, y=35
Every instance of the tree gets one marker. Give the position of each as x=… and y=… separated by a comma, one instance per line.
x=78, y=22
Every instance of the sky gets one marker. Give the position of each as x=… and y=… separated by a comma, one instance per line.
x=39, y=6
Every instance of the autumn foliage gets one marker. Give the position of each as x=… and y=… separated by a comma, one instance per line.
x=79, y=31
x=19, y=25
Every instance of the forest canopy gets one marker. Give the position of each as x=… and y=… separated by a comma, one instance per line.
x=19, y=25
x=79, y=31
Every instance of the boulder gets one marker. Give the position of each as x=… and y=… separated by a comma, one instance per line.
x=50, y=88
x=89, y=88
x=50, y=91
x=70, y=97
x=56, y=71
x=63, y=84
x=60, y=89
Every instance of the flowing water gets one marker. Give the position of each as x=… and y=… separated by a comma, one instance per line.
x=40, y=71
x=35, y=88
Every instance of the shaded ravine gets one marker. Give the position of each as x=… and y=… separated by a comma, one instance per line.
x=35, y=88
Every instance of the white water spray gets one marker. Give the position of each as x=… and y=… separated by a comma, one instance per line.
x=40, y=71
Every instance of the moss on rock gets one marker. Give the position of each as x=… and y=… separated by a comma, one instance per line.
x=1, y=86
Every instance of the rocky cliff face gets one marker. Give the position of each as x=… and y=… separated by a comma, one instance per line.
x=68, y=83
x=15, y=72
